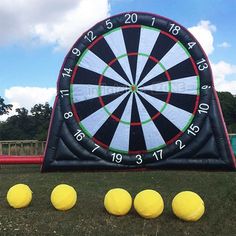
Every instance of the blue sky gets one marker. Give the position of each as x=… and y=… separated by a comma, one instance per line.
x=36, y=36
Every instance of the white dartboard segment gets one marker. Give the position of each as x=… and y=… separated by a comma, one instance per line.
x=116, y=42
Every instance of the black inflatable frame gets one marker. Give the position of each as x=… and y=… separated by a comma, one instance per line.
x=207, y=149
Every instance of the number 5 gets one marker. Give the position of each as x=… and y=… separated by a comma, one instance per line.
x=109, y=24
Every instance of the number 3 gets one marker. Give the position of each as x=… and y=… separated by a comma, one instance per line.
x=139, y=159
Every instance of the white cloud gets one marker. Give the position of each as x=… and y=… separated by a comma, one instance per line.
x=203, y=32
x=59, y=22
x=27, y=97
x=222, y=70
x=224, y=45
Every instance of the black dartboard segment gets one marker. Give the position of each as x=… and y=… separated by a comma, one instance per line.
x=134, y=90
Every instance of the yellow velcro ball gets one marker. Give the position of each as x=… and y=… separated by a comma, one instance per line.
x=118, y=201
x=149, y=204
x=188, y=206
x=63, y=197
x=19, y=196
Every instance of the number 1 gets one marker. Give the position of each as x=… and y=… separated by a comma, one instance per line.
x=153, y=20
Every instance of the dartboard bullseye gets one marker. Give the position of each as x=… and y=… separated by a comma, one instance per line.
x=134, y=90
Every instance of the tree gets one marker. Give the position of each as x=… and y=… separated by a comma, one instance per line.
x=22, y=112
x=4, y=108
x=19, y=126
x=41, y=111
x=27, y=126
x=41, y=115
x=228, y=105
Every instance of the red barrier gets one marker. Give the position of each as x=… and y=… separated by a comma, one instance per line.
x=9, y=160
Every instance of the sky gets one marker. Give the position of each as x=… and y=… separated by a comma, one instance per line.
x=35, y=36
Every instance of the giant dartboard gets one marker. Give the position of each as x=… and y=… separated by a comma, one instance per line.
x=134, y=91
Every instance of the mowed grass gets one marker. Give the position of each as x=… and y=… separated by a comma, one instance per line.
x=88, y=217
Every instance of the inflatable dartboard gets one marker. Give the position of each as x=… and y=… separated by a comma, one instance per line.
x=136, y=91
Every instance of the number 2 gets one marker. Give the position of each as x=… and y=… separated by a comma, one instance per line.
x=180, y=144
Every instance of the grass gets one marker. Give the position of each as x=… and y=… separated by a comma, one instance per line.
x=88, y=217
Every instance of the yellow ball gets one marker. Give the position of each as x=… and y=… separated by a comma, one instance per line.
x=19, y=196
x=188, y=206
x=118, y=201
x=63, y=197
x=149, y=204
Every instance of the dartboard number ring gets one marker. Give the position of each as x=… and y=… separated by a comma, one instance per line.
x=135, y=88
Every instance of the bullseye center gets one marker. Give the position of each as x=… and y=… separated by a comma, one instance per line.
x=133, y=88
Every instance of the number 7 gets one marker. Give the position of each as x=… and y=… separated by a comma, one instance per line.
x=96, y=147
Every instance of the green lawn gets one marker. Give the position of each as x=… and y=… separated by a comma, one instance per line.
x=88, y=217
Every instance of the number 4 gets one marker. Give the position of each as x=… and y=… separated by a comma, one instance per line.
x=191, y=45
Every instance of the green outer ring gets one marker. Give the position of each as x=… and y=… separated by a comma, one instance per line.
x=145, y=121
x=163, y=145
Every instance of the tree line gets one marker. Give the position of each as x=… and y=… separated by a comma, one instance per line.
x=34, y=125
x=25, y=125
x=228, y=105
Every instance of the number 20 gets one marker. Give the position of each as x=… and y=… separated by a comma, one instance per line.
x=131, y=18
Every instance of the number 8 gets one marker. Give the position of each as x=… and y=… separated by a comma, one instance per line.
x=67, y=115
